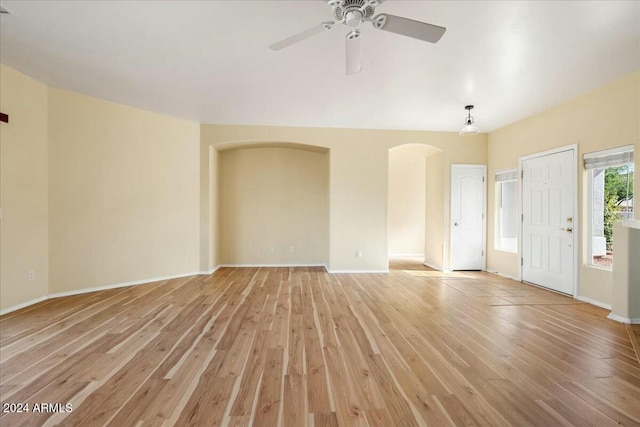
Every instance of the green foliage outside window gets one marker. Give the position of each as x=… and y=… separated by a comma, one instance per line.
x=611, y=215
x=618, y=188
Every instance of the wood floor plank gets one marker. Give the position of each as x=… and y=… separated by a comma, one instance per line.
x=243, y=403
x=574, y=418
x=349, y=407
x=301, y=347
x=112, y=397
x=144, y=397
x=396, y=403
x=296, y=356
x=279, y=328
x=295, y=402
x=541, y=373
x=619, y=416
x=325, y=419
x=316, y=367
x=456, y=411
x=634, y=337
x=209, y=407
x=271, y=391
x=379, y=417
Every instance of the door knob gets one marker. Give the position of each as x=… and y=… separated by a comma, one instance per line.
x=456, y=224
x=568, y=229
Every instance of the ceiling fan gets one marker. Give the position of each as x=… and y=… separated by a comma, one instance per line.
x=352, y=13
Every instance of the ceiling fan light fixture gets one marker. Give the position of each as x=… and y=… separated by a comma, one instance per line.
x=353, y=18
x=469, y=127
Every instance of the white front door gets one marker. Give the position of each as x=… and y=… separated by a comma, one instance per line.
x=468, y=190
x=548, y=194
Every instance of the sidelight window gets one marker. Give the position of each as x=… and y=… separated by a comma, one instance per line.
x=610, y=198
x=506, y=218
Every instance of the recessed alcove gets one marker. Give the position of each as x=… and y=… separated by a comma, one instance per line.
x=273, y=204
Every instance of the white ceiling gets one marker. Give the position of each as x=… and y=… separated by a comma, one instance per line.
x=208, y=61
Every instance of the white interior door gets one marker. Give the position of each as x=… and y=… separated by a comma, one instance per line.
x=468, y=190
x=548, y=194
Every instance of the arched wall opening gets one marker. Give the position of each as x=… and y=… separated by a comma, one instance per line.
x=271, y=204
x=358, y=187
x=413, y=193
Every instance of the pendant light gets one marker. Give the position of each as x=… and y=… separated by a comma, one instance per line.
x=469, y=128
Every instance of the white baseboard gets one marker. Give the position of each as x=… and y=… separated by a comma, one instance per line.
x=593, y=302
x=623, y=319
x=269, y=265
x=406, y=255
x=506, y=276
x=213, y=270
x=23, y=305
x=426, y=264
x=302, y=265
x=121, y=285
x=97, y=289
x=358, y=271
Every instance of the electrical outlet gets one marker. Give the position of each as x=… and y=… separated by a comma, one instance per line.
x=292, y=249
x=32, y=275
x=359, y=254
x=272, y=250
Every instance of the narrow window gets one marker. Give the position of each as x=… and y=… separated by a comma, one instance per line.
x=610, y=187
x=506, y=218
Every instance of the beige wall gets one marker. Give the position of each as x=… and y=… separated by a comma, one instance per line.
x=604, y=118
x=358, y=197
x=407, y=190
x=214, y=225
x=435, y=223
x=273, y=201
x=24, y=192
x=124, y=199
x=208, y=210
x=625, y=305
x=633, y=296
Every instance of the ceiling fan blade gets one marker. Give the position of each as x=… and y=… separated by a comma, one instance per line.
x=317, y=29
x=408, y=27
x=354, y=53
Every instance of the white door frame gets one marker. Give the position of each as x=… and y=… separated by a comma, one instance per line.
x=484, y=213
x=576, y=212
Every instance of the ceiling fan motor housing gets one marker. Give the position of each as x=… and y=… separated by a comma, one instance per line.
x=353, y=12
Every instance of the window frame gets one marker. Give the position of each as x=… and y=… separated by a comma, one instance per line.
x=590, y=172
x=497, y=237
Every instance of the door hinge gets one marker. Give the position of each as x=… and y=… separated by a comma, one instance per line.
x=483, y=179
x=522, y=217
x=522, y=173
x=482, y=253
x=521, y=261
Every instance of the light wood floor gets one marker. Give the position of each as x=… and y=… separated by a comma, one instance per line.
x=296, y=347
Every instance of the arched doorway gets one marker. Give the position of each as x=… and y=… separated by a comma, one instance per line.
x=408, y=191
